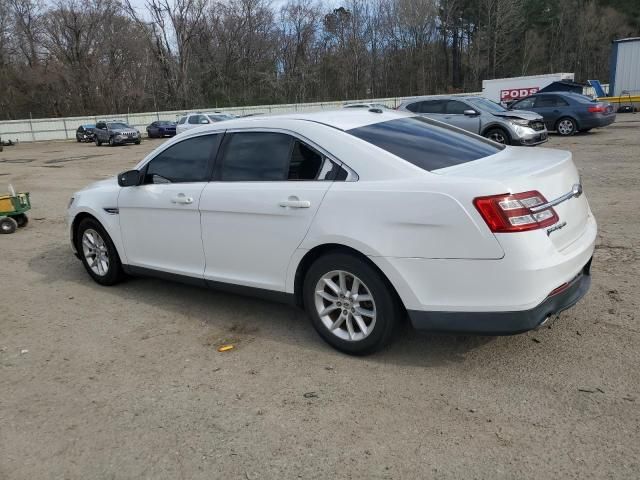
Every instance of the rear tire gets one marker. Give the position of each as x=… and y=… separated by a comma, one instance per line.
x=99, y=256
x=566, y=127
x=498, y=135
x=8, y=225
x=22, y=220
x=350, y=303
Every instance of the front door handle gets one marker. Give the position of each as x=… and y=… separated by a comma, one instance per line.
x=295, y=202
x=182, y=199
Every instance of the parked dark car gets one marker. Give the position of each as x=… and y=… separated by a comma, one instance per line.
x=161, y=128
x=568, y=113
x=116, y=133
x=85, y=133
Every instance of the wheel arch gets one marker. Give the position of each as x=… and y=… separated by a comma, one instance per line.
x=320, y=250
x=109, y=228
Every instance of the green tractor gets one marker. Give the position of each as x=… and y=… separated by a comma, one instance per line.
x=13, y=208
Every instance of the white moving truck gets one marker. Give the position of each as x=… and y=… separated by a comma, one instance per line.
x=506, y=90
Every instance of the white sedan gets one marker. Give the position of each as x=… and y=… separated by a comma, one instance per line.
x=361, y=217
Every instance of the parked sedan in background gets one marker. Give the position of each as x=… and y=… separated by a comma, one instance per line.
x=568, y=113
x=327, y=210
x=481, y=116
x=161, y=128
x=193, y=120
x=85, y=133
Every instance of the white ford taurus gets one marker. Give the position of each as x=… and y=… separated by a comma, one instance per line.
x=359, y=216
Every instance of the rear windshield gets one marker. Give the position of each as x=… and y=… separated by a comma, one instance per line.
x=425, y=143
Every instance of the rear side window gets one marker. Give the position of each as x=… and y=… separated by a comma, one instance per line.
x=424, y=143
x=182, y=120
x=187, y=161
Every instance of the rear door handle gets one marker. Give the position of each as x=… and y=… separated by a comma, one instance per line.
x=295, y=202
x=182, y=199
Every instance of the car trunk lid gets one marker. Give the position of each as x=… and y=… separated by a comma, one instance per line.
x=550, y=172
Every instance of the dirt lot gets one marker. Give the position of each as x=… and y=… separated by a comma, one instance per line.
x=126, y=382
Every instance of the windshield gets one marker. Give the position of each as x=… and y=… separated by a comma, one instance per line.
x=165, y=122
x=425, y=143
x=484, y=104
x=118, y=125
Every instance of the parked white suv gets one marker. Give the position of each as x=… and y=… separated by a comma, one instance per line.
x=359, y=216
x=193, y=120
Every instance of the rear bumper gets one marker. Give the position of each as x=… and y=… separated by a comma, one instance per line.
x=597, y=121
x=504, y=323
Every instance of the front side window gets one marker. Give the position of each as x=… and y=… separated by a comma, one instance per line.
x=425, y=143
x=545, y=101
x=197, y=119
x=455, y=107
x=187, y=161
x=272, y=156
x=487, y=105
x=524, y=104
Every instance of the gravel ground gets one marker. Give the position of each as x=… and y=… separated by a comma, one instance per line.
x=126, y=382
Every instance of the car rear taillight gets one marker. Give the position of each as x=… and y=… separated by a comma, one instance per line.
x=597, y=109
x=513, y=213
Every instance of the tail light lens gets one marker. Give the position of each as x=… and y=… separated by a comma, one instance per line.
x=512, y=213
x=597, y=109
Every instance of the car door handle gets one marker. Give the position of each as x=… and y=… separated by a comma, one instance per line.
x=295, y=202
x=182, y=199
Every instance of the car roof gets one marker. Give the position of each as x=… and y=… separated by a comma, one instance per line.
x=440, y=97
x=342, y=119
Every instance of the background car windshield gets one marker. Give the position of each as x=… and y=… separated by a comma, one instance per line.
x=165, y=122
x=484, y=104
x=118, y=125
x=425, y=143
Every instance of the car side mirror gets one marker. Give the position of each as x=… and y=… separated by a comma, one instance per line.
x=130, y=178
x=470, y=113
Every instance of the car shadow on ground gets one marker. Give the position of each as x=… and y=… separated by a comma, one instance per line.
x=237, y=318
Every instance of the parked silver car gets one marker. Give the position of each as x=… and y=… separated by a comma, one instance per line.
x=482, y=116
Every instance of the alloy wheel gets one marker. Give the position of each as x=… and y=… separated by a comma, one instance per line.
x=95, y=252
x=565, y=127
x=345, y=305
x=497, y=137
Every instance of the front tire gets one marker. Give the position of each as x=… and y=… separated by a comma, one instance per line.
x=498, y=135
x=112, y=142
x=566, y=127
x=99, y=256
x=98, y=142
x=350, y=303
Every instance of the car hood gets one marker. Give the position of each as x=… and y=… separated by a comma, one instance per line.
x=106, y=184
x=519, y=114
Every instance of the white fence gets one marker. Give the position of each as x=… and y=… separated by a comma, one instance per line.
x=65, y=128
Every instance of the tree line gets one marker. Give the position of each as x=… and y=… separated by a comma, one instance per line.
x=80, y=57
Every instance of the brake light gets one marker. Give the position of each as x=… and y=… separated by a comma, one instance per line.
x=512, y=213
x=597, y=109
